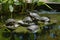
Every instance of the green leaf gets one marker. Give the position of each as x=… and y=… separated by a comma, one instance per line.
x=48, y=6
x=21, y=3
x=11, y=8
x=0, y=1
x=4, y=1
x=16, y=2
x=10, y=2
x=40, y=3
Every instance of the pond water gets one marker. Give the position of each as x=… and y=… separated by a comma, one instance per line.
x=59, y=27
x=54, y=27
x=47, y=12
x=52, y=35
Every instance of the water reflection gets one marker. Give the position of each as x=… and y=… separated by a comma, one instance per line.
x=35, y=36
x=21, y=37
x=46, y=11
x=49, y=12
x=52, y=35
x=59, y=27
x=26, y=36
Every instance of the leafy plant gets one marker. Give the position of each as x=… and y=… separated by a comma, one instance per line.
x=11, y=7
x=10, y=4
x=54, y=0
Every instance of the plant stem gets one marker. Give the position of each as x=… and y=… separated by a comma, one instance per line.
x=1, y=18
x=48, y=6
x=11, y=15
x=32, y=5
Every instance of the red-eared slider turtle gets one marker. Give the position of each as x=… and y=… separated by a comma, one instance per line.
x=33, y=28
x=35, y=15
x=11, y=24
x=27, y=19
x=46, y=20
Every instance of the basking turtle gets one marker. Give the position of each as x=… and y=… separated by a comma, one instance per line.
x=35, y=15
x=27, y=19
x=33, y=28
x=22, y=23
x=46, y=20
x=11, y=24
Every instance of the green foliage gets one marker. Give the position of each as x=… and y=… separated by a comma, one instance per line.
x=42, y=3
x=54, y=0
x=12, y=7
x=10, y=4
